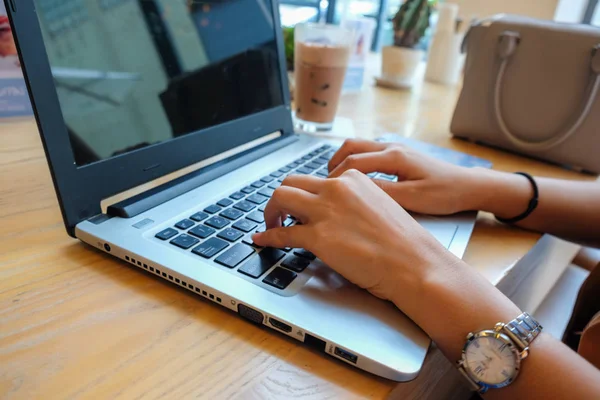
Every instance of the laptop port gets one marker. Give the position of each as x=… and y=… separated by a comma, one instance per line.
x=346, y=355
x=280, y=325
x=250, y=314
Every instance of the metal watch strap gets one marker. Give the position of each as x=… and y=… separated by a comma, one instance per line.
x=523, y=330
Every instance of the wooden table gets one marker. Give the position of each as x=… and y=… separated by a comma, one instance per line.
x=76, y=323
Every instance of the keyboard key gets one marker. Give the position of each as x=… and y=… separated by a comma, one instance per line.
x=209, y=248
x=212, y=209
x=257, y=198
x=313, y=153
x=305, y=253
x=261, y=262
x=300, y=161
x=217, y=222
x=184, y=241
x=324, y=172
x=202, y=231
x=304, y=170
x=274, y=185
x=248, y=240
x=285, y=170
x=268, y=192
x=267, y=179
x=225, y=202
x=282, y=179
x=230, y=234
x=235, y=255
x=232, y=214
x=288, y=221
x=199, y=216
x=307, y=157
x=328, y=155
x=261, y=228
x=276, y=174
x=280, y=278
x=258, y=184
x=294, y=263
x=244, y=205
x=237, y=195
x=325, y=147
x=372, y=175
x=185, y=224
x=245, y=225
x=256, y=216
x=262, y=208
x=319, y=161
x=292, y=165
x=313, y=165
x=248, y=189
x=386, y=177
x=170, y=232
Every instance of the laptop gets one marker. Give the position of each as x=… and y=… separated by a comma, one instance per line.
x=129, y=92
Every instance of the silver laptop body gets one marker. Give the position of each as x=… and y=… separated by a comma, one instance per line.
x=318, y=307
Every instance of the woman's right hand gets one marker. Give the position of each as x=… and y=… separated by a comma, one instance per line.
x=425, y=185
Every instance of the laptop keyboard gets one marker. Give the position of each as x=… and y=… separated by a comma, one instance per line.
x=222, y=232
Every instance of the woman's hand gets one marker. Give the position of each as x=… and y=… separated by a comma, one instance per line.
x=359, y=231
x=425, y=185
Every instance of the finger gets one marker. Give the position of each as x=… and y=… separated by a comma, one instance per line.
x=294, y=236
x=287, y=200
x=354, y=146
x=309, y=183
x=381, y=161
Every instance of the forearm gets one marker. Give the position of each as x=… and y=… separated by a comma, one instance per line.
x=448, y=311
x=570, y=210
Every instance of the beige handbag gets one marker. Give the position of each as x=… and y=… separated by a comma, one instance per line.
x=533, y=87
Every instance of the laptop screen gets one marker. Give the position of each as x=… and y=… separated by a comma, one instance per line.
x=132, y=73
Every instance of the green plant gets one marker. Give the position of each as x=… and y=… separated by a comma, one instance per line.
x=288, y=41
x=411, y=22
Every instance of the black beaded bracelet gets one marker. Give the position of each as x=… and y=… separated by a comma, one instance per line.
x=533, y=203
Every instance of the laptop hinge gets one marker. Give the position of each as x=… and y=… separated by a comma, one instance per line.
x=149, y=199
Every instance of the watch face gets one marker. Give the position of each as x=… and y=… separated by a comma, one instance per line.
x=491, y=360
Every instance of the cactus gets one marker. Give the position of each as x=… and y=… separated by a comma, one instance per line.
x=411, y=22
x=288, y=41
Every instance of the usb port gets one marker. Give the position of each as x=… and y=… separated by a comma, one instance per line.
x=280, y=325
x=346, y=355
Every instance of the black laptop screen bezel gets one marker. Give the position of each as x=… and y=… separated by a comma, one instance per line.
x=81, y=189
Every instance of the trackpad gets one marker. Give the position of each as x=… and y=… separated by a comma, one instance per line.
x=443, y=231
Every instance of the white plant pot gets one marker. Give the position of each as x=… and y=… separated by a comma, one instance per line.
x=399, y=65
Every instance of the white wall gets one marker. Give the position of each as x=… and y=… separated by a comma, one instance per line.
x=570, y=10
x=483, y=8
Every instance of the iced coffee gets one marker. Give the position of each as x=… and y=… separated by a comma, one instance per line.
x=321, y=59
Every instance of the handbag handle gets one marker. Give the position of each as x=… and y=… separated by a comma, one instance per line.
x=508, y=43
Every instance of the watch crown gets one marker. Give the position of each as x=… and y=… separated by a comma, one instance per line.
x=470, y=335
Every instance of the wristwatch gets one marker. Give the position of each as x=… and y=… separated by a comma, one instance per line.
x=491, y=358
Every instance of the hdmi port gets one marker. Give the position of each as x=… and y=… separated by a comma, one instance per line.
x=280, y=325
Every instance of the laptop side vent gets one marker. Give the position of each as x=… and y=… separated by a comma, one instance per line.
x=176, y=280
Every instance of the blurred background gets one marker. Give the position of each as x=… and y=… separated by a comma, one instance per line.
x=382, y=11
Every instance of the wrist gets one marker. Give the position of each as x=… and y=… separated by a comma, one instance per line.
x=440, y=303
x=502, y=194
x=411, y=275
